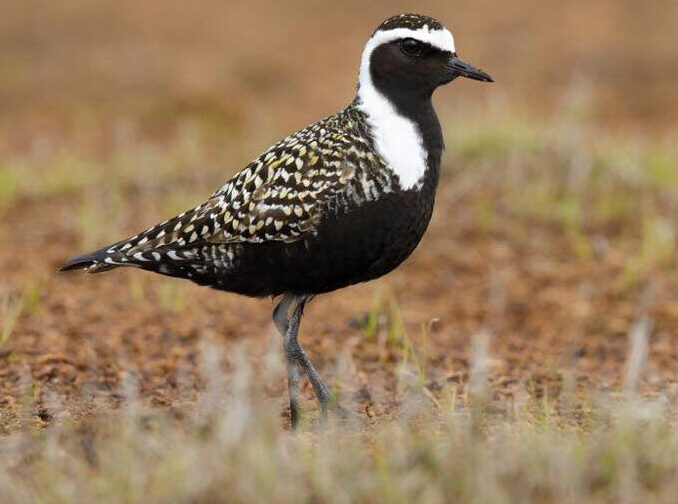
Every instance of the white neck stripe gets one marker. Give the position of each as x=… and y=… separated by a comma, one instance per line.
x=397, y=139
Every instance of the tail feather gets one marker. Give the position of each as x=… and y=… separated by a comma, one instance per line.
x=93, y=262
x=148, y=247
x=166, y=260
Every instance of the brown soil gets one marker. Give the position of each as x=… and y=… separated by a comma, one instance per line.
x=552, y=317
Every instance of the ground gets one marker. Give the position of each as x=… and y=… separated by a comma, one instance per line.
x=553, y=271
x=532, y=333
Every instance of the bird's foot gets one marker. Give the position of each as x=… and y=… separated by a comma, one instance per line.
x=348, y=415
x=338, y=411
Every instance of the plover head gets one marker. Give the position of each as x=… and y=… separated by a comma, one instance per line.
x=407, y=58
x=412, y=55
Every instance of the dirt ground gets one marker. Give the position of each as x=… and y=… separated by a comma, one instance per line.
x=552, y=318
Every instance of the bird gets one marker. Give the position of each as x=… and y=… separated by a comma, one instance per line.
x=342, y=201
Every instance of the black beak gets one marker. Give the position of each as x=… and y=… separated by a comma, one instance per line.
x=458, y=68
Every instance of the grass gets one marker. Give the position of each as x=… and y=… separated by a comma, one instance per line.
x=569, y=174
x=230, y=448
x=454, y=445
x=12, y=306
x=11, y=310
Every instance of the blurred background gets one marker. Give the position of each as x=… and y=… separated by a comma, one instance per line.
x=65, y=66
x=554, y=234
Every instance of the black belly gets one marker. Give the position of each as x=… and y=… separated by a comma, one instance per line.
x=358, y=245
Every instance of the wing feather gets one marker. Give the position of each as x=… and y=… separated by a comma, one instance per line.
x=280, y=196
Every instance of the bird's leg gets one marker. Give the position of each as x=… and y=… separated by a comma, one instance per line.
x=294, y=348
x=293, y=386
x=281, y=315
x=288, y=326
x=282, y=323
x=319, y=387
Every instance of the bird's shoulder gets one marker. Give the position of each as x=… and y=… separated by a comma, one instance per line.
x=279, y=195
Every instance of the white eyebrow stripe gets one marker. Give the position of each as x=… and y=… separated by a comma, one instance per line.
x=441, y=39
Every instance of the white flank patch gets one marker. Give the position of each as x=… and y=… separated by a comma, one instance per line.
x=397, y=139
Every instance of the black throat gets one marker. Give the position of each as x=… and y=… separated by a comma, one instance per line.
x=418, y=108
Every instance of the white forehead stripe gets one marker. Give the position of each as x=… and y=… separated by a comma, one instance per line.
x=396, y=138
x=440, y=39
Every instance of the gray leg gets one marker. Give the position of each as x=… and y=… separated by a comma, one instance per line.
x=295, y=355
x=297, y=351
x=281, y=313
x=282, y=323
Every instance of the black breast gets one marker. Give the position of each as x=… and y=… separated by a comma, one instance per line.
x=361, y=244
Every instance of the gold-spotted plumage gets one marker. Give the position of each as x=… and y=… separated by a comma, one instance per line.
x=327, y=167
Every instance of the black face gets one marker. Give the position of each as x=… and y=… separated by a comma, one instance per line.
x=409, y=66
x=412, y=68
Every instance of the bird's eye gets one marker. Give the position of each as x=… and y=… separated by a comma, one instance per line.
x=412, y=47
